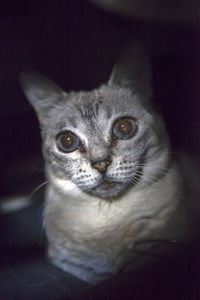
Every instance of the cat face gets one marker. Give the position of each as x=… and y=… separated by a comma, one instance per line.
x=101, y=142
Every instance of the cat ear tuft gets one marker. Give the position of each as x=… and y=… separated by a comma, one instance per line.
x=133, y=69
x=41, y=92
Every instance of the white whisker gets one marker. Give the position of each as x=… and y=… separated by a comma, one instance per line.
x=36, y=189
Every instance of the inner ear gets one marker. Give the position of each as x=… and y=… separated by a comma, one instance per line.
x=133, y=69
x=42, y=93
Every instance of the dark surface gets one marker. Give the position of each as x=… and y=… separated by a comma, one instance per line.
x=29, y=276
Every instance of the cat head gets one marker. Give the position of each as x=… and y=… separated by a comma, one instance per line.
x=104, y=141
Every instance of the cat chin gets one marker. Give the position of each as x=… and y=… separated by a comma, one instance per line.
x=109, y=190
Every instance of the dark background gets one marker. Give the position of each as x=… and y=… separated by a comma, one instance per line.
x=76, y=43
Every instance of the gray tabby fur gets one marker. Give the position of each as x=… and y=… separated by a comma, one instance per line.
x=93, y=232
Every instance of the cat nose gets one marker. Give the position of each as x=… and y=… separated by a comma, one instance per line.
x=101, y=166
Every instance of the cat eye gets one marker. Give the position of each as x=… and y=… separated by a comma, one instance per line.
x=124, y=129
x=67, y=142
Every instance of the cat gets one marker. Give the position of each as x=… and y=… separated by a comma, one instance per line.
x=112, y=182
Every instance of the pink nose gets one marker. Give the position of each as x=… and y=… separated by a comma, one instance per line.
x=101, y=166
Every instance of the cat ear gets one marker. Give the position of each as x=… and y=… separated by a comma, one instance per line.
x=41, y=92
x=133, y=70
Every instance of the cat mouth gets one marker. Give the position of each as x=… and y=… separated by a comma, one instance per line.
x=108, y=189
x=106, y=186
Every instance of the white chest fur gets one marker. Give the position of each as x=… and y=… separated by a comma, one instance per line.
x=92, y=238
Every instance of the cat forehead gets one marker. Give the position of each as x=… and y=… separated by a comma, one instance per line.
x=95, y=106
x=87, y=97
x=105, y=97
x=87, y=103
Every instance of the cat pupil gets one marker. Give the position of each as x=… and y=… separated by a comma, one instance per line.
x=67, y=142
x=124, y=126
x=124, y=129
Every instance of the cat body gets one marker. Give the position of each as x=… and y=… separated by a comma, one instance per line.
x=93, y=240
x=112, y=180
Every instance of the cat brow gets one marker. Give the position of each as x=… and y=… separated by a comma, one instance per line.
x=89, y=110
